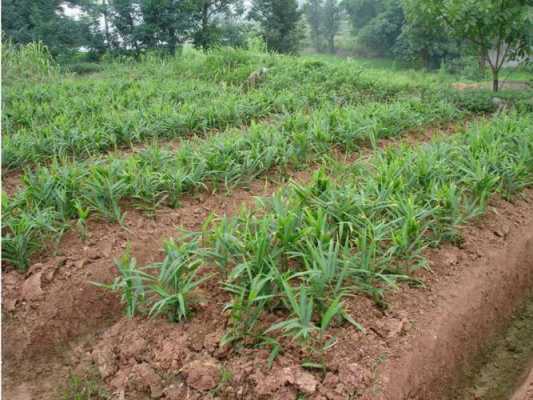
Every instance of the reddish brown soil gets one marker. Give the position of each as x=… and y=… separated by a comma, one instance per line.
x=405, y=353
x=56, y=322
x=11, y=182
x=525, y=391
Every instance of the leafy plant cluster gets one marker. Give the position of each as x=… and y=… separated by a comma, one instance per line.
x=54, y=195
x=166, y=288
x=291, y=263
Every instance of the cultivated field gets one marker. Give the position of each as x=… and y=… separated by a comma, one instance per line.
x=174, y=229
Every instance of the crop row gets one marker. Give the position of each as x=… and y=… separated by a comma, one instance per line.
x=54, y=195
x=81, y=117
x=306, y=249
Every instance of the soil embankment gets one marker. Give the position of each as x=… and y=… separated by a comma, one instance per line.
x=469, y=311
x=506, y=367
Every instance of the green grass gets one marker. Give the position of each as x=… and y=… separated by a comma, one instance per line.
x=308, y=248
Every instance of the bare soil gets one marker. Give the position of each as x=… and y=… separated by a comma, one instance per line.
x=56, y=323
x=525, y=391
x=505, y=364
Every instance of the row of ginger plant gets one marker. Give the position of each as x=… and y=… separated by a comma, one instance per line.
x=80, y=117
x=305, y=251
x=54, y=196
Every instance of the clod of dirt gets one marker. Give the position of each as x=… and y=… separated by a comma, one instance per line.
x=135, y=348
x=93, y=253
x=104, y=359
x=305, y=382
x=390, y=328
x=502, y=231
x=176, y=392
x=10, y=305
x=275, y=381
x=212, y=341
x=31, y=288
x=203, y=374
x=144, y=377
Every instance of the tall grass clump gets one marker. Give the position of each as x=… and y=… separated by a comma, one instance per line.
x=168, y=288
x=28, y=63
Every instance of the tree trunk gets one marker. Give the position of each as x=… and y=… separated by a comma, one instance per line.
x=482, y=61
x=424, y=55
x=106, y=25
x=172, y=42
x=495, y=80
x=205, y=26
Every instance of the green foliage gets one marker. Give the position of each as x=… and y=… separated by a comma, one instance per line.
x=128, y=104
x=210, y=31
x=466, y=67
x=89, y=388
x=83, y=68
x=129, y=283
x=279, y=23
x=361, y=12
x=27, y=21
x=500, y=25
x=324, y=18
x=25, y=233
x=381, y=33
x=29, y=63
x=154, y=176
x=309, y=247
x=172, y=291
x=167, y=288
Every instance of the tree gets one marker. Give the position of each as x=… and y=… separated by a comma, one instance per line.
x=361, y=12
x=313, y=14
x=500, y=30
x=331, y=17
x=425, y=46
x=208, y=29
x=381, y=33
x=165, y=23
x=25, y=21
x=278, y=20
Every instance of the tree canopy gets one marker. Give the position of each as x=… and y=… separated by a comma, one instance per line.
x=279, y=22
x=500, y=30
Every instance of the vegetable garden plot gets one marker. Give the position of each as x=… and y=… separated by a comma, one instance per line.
x=54, y=195
x=312, y=246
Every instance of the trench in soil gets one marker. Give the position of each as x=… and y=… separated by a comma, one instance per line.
x=504, y=367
